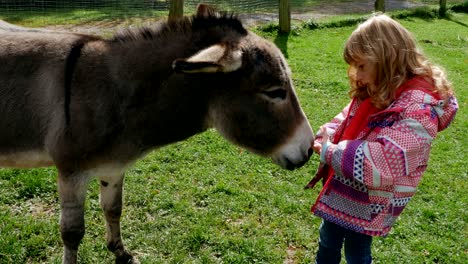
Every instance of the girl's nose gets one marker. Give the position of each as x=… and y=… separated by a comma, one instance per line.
x=359, y=77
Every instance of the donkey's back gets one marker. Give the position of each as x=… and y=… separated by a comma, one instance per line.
x=32, y=79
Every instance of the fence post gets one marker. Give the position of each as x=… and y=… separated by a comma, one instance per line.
x=379, y=5
x=176, y=9
x=443, y=8
x=284, y=16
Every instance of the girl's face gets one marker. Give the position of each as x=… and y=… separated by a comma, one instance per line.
x=364, y=74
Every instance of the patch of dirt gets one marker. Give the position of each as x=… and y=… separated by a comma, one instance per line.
x=290, y=253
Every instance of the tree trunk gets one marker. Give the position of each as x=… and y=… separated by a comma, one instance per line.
x=176, y=9
x=379, y=5
x=284, y=16
x=443, y=8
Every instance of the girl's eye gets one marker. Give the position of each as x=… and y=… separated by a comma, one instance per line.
x=278, y=93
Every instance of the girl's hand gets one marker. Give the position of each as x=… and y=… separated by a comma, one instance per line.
x=325, y=136
x=317, y=147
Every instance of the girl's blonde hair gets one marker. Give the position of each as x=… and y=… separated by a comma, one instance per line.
x=393, y=52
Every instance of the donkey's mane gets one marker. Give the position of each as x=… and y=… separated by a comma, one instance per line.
x=224, y=20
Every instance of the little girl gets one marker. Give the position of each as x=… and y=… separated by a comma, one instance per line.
x=374, y=153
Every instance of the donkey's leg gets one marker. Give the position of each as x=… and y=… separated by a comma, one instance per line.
x=72, y=190
x=111, y=204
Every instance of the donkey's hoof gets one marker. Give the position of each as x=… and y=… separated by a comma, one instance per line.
x=126, y=259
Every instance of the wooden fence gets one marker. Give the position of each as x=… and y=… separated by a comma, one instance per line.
x=177, y=10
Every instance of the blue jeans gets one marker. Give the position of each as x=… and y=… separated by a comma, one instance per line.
x=357, y=246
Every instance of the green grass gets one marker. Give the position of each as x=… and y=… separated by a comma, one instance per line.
x=206, y=201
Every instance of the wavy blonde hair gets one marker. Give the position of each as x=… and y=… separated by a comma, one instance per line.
x=393, y=52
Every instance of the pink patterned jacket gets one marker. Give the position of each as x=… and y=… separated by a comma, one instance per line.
x=377, y=174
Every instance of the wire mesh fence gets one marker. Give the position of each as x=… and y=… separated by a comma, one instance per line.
x=127, y=5
x=151, y=8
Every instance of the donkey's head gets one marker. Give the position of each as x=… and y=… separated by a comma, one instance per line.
x=254, y=104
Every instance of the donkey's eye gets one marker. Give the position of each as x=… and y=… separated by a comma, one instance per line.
x=278, y=93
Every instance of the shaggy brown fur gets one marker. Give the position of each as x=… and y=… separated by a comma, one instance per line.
x=92, y=106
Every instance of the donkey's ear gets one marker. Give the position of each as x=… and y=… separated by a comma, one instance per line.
x=217, y=58
x=205, y=10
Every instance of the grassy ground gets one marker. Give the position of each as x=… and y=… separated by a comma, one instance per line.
x=205, y=201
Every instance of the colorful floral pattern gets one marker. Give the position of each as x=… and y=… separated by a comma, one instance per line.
x=377, y=173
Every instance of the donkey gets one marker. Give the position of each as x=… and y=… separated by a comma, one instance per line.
x=92, y=106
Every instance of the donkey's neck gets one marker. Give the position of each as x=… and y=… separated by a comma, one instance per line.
x=140, y=63
x=177, y=104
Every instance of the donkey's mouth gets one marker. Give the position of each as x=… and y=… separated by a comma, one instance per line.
x=292, y=166
x=287, y=163
x=297, y=150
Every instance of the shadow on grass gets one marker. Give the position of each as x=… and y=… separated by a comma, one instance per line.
x=424, y=13
x=281, y=42
x=456, y=21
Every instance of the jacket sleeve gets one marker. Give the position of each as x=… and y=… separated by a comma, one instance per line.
x=332, y=125
x=400, y=147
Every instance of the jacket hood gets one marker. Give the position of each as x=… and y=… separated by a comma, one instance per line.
x=444, y=110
